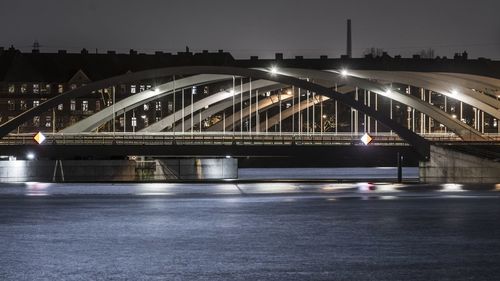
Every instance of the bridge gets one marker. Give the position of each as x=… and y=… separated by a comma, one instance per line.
x=274, y=111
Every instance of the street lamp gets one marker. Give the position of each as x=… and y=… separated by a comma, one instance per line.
x=274, y=70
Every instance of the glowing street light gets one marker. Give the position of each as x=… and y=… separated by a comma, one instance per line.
x=274, y=70
x=30, y=156
x=344, y=72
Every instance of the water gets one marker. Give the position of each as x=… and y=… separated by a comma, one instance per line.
x=266, y=231
x=352, y=173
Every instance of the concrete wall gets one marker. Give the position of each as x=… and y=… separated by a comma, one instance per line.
x=118, y=170
x=448, y=166
x=69, y=170
x=203, y=168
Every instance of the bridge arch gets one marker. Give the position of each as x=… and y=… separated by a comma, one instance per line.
x=461, y=129
x=328, y=79
x=421, y=145
x=437, y=83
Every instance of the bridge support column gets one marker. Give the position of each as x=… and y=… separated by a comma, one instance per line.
x=450, y=166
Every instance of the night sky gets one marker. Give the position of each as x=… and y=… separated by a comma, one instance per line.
x=254, y=27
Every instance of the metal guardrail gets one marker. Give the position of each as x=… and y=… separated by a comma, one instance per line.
x=228, y=138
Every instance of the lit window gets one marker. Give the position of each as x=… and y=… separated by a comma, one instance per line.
x=193, y=90
x=142, y=88
x=46, y=89
x=72, y=105
x=157, y=119
x=48, y=121
x=12, y=88
x=60, y=89
x=23, y=105
x=146, y=106
x=133, y=90
x=85, y=105
x=148, y=87
x=36, y=88
x=24, y=88
x=36, y=103
x=12, y=105
x=158, y=106
x=134, y=121
x=60, y=107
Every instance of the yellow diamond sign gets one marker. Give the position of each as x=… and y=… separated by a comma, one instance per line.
x=39, y=138
x=366, y=139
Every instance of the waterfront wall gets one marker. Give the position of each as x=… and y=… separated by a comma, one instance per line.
x=118, y=170
x=449, y=166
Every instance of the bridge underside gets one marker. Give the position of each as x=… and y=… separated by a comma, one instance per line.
x=296, y=155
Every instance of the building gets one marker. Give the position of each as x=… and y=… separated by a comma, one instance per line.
x=28, y=79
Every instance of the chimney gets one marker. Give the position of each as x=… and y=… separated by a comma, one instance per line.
x=349, y=39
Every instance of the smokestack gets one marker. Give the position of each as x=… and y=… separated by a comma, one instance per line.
x=349, y=39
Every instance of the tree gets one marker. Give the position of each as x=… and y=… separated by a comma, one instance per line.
x=427, y=53
x=374, y=52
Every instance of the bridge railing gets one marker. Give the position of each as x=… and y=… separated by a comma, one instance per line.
x=204, y=138
x=216, y=138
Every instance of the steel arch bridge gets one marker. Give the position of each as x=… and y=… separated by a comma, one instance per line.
x=308, y=89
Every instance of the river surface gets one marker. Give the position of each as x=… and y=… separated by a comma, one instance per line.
x=251, y=231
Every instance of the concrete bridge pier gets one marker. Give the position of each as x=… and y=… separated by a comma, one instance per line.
x=450, y=166
x=118, y=170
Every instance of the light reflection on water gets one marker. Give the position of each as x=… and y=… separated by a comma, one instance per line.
x=37, y=188
x=361, y=189
x=452, y=187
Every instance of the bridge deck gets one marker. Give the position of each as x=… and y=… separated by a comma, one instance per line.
x=245, y=138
